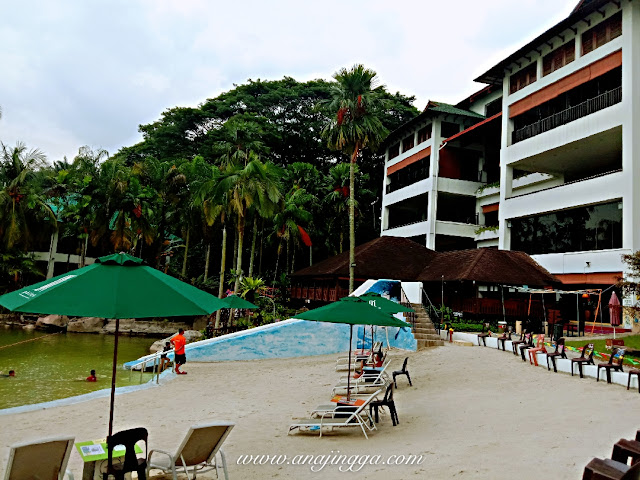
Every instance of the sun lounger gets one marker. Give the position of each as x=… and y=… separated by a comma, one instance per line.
x=342, y=408
x=44, y=460
x=370, y=379
x=340, y=416
x=198, y=450
x=342, y=363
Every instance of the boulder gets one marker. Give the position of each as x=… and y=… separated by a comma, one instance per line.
x=146, y=328
x=86, y=325
x=127, y=325
x=190, y=335
x=57, y=322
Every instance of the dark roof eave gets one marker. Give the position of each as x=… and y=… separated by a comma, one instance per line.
x=495, y=74
x=427, y=113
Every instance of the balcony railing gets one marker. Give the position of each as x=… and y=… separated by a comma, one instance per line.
x=583, y=109
x=390, y=227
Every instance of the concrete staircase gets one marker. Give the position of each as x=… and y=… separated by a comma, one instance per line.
x=424, y=331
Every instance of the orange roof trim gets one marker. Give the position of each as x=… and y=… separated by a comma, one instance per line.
x=409, y=160
x=567, y=83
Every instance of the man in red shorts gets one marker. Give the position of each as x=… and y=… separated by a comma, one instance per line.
x=178, y=344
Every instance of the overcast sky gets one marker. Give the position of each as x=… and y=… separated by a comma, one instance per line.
x=78, y=72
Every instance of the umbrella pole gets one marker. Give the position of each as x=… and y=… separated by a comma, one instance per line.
x=349, y=370
x=113, y=377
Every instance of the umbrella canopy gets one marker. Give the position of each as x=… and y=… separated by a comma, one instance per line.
x=352, y=311
x=116, y=286
x=615, y=311
x=235, y=301
x=386, y=305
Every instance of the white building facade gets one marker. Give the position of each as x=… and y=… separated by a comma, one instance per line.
x=545, y=157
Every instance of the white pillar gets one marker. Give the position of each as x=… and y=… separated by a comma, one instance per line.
x=434, y=168
x=630, y=125
x=506, y=172
x=53, y=249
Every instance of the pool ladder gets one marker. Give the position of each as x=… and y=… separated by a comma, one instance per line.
x=152, y=359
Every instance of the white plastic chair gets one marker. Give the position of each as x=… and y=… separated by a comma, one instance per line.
x=44, y=460
x=198, y=450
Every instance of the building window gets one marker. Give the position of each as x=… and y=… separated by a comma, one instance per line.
x=394, y=151
x=407, y=143
x=602, y=33
x=493, y=108
x=424, y=134
x=524, y=77
x=559, y=58
x=409, y=175
x=598, y=227
x=449, y=129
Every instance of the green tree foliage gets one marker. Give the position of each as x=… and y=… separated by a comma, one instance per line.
x=23, y=206
x=252, y=157
x=357, y=102
x=630, y=284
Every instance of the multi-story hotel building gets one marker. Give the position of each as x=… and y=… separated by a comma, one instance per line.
x=544, y=159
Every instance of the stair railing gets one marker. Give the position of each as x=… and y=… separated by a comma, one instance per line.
x=410, y=316
x=431, y=310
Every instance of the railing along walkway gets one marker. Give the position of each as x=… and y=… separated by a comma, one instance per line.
x=581, y=110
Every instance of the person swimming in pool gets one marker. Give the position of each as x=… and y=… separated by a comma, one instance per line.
x=11, y=373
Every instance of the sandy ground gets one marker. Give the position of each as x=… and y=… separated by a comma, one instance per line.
x=472, y=413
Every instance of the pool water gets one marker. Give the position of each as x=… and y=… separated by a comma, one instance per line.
x=51, y=367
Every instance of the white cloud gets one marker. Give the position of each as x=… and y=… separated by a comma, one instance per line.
x=77, y=72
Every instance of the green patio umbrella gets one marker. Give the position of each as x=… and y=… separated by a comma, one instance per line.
x=236, y=301
x=352, y=311
x=384, y=304
x=116, y=286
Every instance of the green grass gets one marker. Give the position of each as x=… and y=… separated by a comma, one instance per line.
x=631, y=341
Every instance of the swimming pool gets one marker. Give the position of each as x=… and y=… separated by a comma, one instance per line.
x=50, y=367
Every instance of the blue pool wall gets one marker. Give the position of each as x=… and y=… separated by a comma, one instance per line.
x=298, y=338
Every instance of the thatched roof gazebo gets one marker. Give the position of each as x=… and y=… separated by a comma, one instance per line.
x=467, y=280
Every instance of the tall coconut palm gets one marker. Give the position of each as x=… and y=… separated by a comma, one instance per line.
x=356, y=100
x=22, y=204
x=216, y=205
x=255, y=185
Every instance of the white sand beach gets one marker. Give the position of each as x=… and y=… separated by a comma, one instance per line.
x=475, y=413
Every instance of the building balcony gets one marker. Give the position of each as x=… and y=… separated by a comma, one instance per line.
x=592, y=105
x=593, y=190
x=408, y=230
x=487, y=235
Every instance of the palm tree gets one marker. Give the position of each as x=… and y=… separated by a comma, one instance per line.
x=254, y=185
x=216, y=205
x=287, y=222
x=196, y=173
x=337, y=199
x=356, y=101
x=22, y=204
